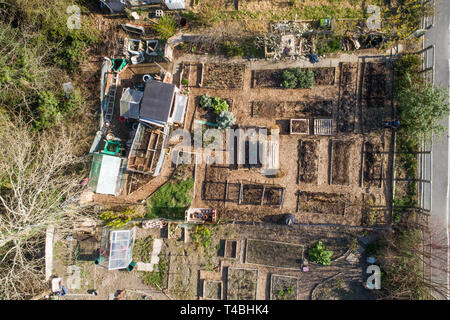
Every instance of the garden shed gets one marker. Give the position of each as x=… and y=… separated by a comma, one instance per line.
x=158, y=103
x=130, y=103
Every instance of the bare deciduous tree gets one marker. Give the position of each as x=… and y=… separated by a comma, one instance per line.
x=38, y=183
x=408, y=255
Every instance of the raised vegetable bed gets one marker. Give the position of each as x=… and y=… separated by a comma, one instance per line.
x=283, y=287
x=242, y=284
x=299, y=126
x=274, y=254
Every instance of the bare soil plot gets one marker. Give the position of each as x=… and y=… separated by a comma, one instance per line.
x=283, y=287
x=216, y=173
x=322, y=203
x=273, y=254
x=347, y=107
x=185, y=75
x=273, y=78
x=252, y=194
x=373, y=160
x=242, y=284
x=214, y=191
x=212, y=290
x=340, y=152
x=310, y=107
x=268, y=78
x=341, y=288
x=324, y=76
x=272, y=196
x=223, y=76
x=299, y=126
x=230, y=249
x=376, y=94
x=233, y=192
x=243, y=193
x=308, y=161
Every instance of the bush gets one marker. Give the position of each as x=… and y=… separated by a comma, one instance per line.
x=329, y=46
x=421, y=107
x=225, y=120
x=409, y=64
x=158, y=279
x=48, y=110
x=166, y=27
x=306, y=79
x=185, y=82
x=289, y=78
x=233, y=49
x=202, y=235
x=297, y=78
x=142, y=250
x=205, y=101
x=219, y=105
x=118, y=219
x=319, y=254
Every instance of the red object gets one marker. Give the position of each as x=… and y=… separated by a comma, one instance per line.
x=84, y=182
x=122, y=119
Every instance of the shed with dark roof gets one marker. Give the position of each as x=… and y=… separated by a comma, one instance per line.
x=157, y=103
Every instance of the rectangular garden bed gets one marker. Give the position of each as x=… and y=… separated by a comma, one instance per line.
x=273, y=196
x=252, y=194
x=274, y=78
x=223, y=76
x=340, y=152
x=230, y=249
x=212, y=290
x=321, y=203
x=214, y=191
x=308, y=161
x=372, y=163
x=273, y=254
x=283, y=287
x=233, y=192
x=299, y=126
x=242, y=284
x=291, y=109
x=346, y=111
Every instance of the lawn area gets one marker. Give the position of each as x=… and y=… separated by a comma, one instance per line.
x=216, y=10
x=170, y=201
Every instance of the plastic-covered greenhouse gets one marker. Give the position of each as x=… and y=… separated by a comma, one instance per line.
x=130, y=102
x=116, y=248
x=107, y=174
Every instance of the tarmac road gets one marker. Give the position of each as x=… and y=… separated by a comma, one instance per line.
x=438, y=36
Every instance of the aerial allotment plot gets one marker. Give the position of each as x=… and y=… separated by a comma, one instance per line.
x=218, y=150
